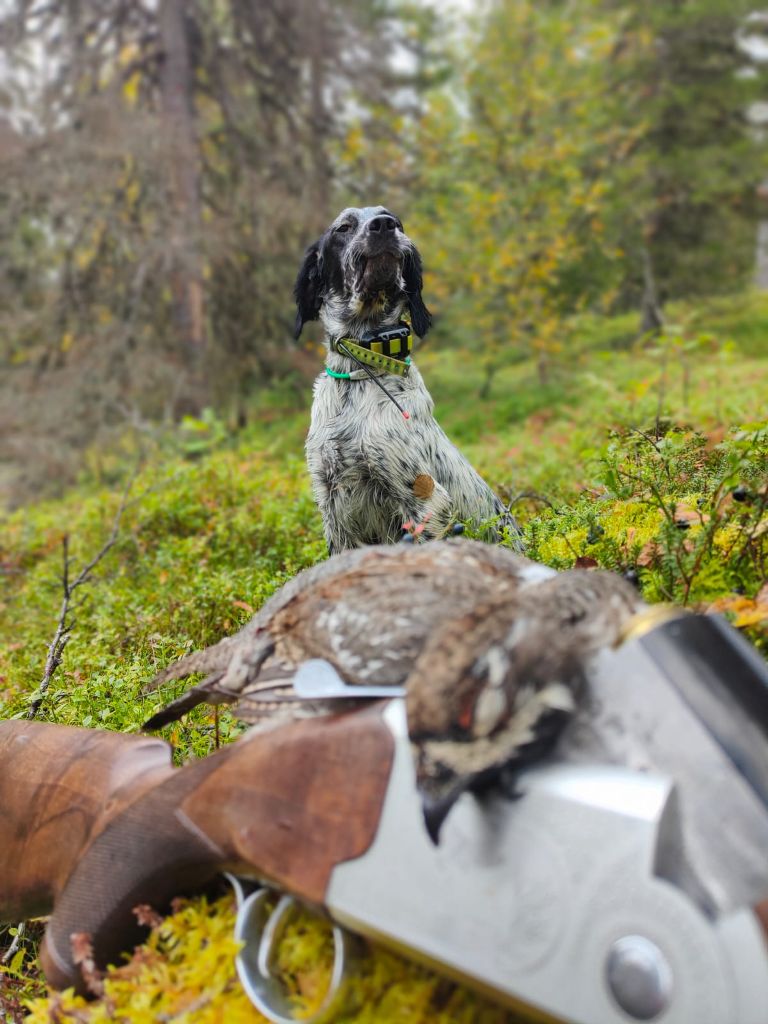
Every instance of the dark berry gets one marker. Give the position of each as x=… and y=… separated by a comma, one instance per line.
x=407, y=538
x=741, y=493
x=632, y=577
x=457, y=529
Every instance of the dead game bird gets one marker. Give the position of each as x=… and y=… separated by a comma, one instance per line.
x=489, y=646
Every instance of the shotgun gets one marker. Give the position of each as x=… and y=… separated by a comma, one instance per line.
x=629, y=882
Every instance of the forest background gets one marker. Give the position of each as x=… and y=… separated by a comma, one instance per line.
x=165, y=164
x=587, y=181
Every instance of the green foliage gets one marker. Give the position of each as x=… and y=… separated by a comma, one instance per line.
x=696, y=194
x=577, y=152
x=550, y=159
x=685, y=514
x=201, y=546
x=511, y=202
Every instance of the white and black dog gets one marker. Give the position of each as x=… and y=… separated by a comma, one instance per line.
x=376, y=454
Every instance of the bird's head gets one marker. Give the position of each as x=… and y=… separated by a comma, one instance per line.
x=471, y=759
x=464, y=744
x=495, y=688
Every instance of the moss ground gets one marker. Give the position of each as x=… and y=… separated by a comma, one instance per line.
x=648, y=457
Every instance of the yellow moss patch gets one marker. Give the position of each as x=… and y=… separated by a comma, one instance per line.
x=185, y=974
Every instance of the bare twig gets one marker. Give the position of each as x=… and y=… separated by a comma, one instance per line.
x=654, y=445
x=9, y=954
x=533, y=496
x=69, y=586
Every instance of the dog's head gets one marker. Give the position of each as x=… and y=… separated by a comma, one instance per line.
x=364, y=272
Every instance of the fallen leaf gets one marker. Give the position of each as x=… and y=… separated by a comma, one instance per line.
x=745, y=611
x=82, y=954
x=685, y=514
x=423, y=486
x=244, y=605
x=649, y=554
x=585, y=562
x=147, y=916
x=725, y=504
x=714, y=437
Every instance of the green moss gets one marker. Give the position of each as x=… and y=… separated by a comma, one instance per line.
x=201, y=546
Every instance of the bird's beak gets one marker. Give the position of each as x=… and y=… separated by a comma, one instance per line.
x=437, y=809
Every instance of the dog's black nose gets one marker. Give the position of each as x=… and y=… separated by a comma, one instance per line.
x=382, y=223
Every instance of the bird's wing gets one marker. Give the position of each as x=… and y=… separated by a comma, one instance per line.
x=372, y=621
x=368, y=612
x=216, y=658
x=204, y=693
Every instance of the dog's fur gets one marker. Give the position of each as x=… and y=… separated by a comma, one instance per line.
x=364, y=457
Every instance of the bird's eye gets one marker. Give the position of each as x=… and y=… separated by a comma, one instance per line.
x=341, y=229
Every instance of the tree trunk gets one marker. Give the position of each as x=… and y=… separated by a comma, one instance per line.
x=183, y=167
x=651, y=316
x=485, y=388
x=317, y=47
x=761, y=242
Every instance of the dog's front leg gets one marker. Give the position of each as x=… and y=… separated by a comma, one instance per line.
x=333, y=502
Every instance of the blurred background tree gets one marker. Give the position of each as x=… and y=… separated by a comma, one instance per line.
x=163, y=164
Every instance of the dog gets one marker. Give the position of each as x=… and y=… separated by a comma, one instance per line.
x=377, y=457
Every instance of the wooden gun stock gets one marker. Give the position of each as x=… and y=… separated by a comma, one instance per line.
x=96, y=823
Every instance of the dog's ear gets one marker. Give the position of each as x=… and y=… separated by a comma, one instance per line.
x=308, y=288
x=421, y=318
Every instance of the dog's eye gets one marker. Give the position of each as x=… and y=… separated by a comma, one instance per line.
x=341, y=229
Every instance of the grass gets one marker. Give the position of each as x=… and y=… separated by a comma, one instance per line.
x=644, y=456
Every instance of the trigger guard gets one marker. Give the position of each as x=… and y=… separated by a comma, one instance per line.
x=260, y=930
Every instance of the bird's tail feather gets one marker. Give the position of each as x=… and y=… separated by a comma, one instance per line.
x=213, y=660
x=201, y=694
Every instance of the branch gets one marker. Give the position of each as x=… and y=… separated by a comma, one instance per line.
x=9, y=954
x=65, y=622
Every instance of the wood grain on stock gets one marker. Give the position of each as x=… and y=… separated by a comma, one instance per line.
x=57, y=785
x=286, y=805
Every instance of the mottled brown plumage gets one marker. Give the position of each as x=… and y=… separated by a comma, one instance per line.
x=489, y=646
